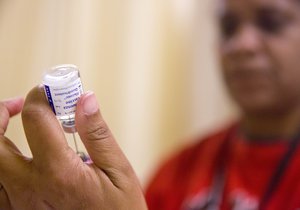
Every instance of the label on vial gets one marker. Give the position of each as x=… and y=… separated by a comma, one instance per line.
x=63, y=100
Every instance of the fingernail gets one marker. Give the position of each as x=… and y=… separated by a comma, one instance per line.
x=89, y=103
x=41, y=86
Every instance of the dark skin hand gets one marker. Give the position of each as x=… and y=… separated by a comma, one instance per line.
x=56, y=178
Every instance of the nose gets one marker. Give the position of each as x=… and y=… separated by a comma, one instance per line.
x=246, y=42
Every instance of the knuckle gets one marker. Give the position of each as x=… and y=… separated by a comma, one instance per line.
x=4, y=116
x=126, y=170
x=2, y=131
x=122, y=170
x=29, y=111
x=2, y=106
x=60, y=179
x=57, y=177
x=32, y=112
x=99, y=131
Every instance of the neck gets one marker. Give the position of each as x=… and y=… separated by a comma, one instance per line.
x=284, y=125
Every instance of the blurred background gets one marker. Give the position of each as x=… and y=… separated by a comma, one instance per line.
x=152, y=64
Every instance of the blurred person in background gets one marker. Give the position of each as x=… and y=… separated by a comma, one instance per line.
x=252, y=164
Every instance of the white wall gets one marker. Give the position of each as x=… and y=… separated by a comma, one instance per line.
x=151, y=64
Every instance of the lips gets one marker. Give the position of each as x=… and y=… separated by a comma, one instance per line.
x=248, y=78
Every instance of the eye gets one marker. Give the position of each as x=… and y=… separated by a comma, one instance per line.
x=271, y=22
x=229, y=25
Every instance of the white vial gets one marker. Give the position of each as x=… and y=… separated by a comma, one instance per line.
x=63, y=88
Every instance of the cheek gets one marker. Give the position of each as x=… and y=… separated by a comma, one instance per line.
x=285, y=58
x=224, y=60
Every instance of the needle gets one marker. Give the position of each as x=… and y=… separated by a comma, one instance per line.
x=75, y=143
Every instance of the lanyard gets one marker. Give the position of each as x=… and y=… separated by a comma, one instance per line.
x=216, y=193
x=280, y=171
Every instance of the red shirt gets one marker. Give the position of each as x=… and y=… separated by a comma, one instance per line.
x=188, y=177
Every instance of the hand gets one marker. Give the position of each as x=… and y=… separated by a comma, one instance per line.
x=56, y=178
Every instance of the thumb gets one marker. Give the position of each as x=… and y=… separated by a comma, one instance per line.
x=98, y=139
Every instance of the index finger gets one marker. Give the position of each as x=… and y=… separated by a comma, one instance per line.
x=44, y=134
x=14, y=105
x=9, y=108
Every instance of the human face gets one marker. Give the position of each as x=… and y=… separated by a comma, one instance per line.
x=260, y=53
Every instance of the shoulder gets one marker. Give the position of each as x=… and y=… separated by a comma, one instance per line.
x=186, y=164
x=203, y=149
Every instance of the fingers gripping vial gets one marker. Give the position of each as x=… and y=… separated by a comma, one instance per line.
x=63, y=88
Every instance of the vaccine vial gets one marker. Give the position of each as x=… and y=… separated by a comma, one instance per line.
x=63, y=87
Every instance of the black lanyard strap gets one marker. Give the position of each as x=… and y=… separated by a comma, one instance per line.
x=217, y=188
x=280, y=171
